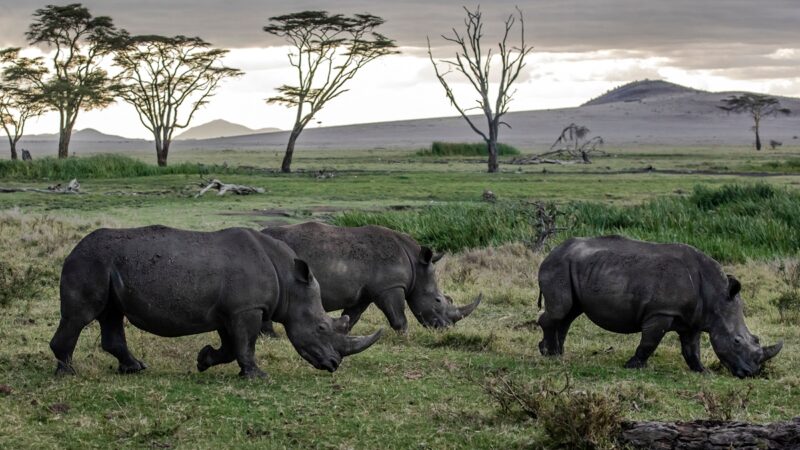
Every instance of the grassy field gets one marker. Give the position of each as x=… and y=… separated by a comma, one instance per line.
x=426, y=389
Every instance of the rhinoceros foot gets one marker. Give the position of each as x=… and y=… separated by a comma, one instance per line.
x=132, y=367
x=635, y=363
x=63, y=370
x=253, y=373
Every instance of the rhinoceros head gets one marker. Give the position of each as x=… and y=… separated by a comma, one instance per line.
x=429, y=305
x=738, y=349
x=317, y=337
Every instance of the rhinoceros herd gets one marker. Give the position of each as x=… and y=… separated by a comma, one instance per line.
x=238, y=281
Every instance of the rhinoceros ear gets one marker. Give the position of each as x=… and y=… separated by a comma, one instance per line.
x=425, y=256
x=302, y=272
x=733, y=287
x=437, y=257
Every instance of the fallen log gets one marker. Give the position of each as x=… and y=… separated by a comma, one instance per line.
x=711, y=435
x=73, y=187
x=223, y=188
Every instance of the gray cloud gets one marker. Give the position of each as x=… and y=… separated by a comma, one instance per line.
x=708, y=34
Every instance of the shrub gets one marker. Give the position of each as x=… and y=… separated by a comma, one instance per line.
x=466, y=149
x=569, y=418
x=18, y=284
x=99, y=166
x=725, y=405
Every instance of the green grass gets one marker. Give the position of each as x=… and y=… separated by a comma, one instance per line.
x=732, y=223
x=97, y=166
x=422, y=390
x=466, y=149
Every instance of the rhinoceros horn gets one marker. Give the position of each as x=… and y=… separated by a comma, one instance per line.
x=771, y=351
x=350, y=345
x=457, y=313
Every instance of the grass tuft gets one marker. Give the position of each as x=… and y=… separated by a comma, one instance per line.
x=466, y=149
x=99, y=166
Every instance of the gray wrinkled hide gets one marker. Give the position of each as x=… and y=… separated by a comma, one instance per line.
x=174, y=283
x=630, y=286
x=361, y=265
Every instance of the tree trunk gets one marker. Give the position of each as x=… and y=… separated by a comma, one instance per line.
x=492, y=147
x=710, y=435
x=13, y=146
x=162, y=152
x=286, y=165
x=63, y=142
x=758, y=139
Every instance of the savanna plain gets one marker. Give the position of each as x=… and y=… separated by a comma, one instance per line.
x=480, y=384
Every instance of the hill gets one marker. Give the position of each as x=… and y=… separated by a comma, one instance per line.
x=639, y=90
x=218, y=129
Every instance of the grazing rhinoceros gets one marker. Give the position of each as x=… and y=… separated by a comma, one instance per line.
x=359, y=266
x=175, y=283
x=629, y=286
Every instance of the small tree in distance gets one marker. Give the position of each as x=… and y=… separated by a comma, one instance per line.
x=167, y=79
x=475, y=65
x=20, y=99
x=758, y=106
x=328, y=51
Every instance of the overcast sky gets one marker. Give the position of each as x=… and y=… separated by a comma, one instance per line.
x=582, y=49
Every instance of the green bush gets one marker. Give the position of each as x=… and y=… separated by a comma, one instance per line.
x=465, y=149
x=99, y=166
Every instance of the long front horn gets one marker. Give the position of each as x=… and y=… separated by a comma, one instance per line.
x=350, y=345
x=457, y=313
x=771, y=351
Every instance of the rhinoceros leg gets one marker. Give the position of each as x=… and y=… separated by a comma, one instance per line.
x=563, y=328
x=209, y=356
x=244, y=328
x=690, y=349
x=64, y=341
x=267, y=329
x=393, y=304
x=354, y=313
x=653, y=330
x=80, y=305
x=112, y=338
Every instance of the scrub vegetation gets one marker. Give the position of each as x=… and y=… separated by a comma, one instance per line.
x=426, y=389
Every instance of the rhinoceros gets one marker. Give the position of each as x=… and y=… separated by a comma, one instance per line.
x=630, y=286
x=357, y=266
x=174, y=283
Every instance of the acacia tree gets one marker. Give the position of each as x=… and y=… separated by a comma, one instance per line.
x=20, y=99
x=758, y=106
x=328, y=50
x=473, y=64
x=77, y=80
x=167, y=79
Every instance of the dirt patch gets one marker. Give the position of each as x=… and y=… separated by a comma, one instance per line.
x=271, y=223
x=272, y=212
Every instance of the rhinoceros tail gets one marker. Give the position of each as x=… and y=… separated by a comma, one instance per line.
x=539, y=301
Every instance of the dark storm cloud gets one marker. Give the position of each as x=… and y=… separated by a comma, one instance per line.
x=710, y=34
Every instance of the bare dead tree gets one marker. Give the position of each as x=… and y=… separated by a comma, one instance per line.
x=473, y=64
x=573, y=142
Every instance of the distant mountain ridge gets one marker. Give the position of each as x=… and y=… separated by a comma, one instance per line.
x=640, y=90
x=219, y=129
x=85, y=135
